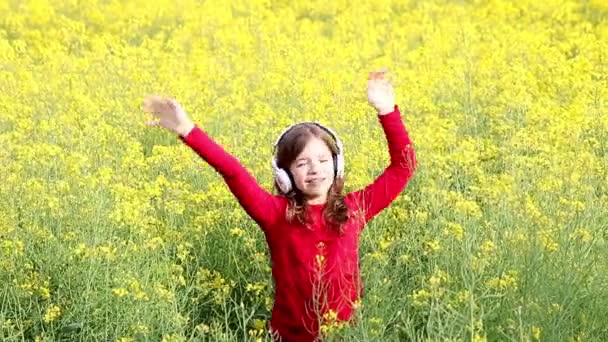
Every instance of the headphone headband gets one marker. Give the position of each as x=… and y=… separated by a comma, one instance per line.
x=327, y=129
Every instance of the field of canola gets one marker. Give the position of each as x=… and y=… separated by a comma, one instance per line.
x=114, y=231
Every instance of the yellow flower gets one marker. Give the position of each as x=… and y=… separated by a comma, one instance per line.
x=548, y=242
x=536, y=332
x=173, y=338
x=385, y=243
x=504, y=282
x=463, y=296
x=479, y=338
x=141, y=295
x=420, y=297
x=256, y=288
x=120, y=292
x=437, y=279
x=487, y=247
x=45, y=293
x=154, y=244
x=431, y=246
x=203, y=328
x=331, y=324
x=164, y=294
x=456, y=230
x=582, y=234
x=237, y=232
x=320, y=259
x=52, y=313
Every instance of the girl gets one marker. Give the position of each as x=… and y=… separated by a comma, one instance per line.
x=311, y=228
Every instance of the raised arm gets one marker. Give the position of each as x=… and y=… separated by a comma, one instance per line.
x=386, y=187
x=259, y=204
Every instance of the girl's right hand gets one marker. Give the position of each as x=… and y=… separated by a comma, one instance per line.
x=380, y=92
x=170, y=114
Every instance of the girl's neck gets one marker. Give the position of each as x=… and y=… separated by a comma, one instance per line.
x=317, y=201
x=318, y=205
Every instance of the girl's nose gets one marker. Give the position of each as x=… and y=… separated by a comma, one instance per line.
x=314, y=166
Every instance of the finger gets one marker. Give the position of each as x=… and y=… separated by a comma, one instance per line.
x=386, y=74
x=153, y=123
x=146, y=105
x=151, y=103
x=153, y=99
x=387, y=83
x=380, y=82
x=173, y=105
x=388, y=87
x=373, y=83
x=167, y=101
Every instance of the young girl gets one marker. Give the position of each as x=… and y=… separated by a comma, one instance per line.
x=311, y=228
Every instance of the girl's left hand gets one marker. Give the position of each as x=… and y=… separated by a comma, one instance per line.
x=169, y=113
x=380, y=92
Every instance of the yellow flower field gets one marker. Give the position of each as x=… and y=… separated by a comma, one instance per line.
x=114, y=231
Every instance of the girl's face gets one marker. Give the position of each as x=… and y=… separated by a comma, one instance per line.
x=313, y=171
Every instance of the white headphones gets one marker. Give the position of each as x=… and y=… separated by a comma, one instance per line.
x=281, y=176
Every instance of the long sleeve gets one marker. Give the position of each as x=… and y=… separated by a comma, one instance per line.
x=259, y=204
x=386, y=187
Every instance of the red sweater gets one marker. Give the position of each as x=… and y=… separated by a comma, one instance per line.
x=314, y=268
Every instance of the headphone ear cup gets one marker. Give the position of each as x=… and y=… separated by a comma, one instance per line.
x=283, y=181
x=340, y=166
x=281, y=177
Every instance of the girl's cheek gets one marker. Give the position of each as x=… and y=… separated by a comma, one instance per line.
x=301, y=177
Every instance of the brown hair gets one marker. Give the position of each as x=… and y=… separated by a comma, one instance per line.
x=289, y=147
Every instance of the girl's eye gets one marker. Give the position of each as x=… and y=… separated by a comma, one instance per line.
x=323, y=161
